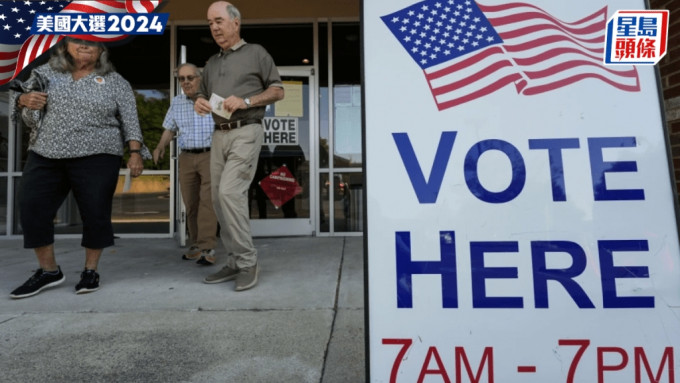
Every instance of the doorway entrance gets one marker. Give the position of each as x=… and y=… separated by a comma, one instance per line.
x=283, y=194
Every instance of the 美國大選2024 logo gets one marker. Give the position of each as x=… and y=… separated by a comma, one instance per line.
x=636, y=37
x=100, y=24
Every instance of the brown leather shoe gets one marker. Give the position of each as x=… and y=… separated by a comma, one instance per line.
x=192, y=254
x=207, y=257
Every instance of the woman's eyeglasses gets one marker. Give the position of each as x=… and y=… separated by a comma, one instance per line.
x=187, y=78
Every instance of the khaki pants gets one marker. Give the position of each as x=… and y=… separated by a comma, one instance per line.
x=194, y=181
x=233, y=161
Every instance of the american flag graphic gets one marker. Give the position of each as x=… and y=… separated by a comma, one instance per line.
x=18, y=47
x=468, y=50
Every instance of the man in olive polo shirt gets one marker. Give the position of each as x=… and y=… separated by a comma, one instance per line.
x=245, y=76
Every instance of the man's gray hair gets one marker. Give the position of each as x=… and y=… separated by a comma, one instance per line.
x=197, y=71
x=234, y=13
x=61, y=60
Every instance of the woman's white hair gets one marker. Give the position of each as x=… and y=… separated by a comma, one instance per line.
x=62, y=61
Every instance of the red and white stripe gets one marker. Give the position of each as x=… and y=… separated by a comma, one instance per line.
x=144, y=6
x=552, y=53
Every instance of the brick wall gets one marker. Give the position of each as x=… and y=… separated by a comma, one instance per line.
x=669, y=68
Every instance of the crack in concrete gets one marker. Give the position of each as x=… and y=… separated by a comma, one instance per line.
x=335, y=310
x=7, y=320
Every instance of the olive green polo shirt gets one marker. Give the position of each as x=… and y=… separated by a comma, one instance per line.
x=243, y=70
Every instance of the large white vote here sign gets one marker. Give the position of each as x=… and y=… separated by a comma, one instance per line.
x=520, y=212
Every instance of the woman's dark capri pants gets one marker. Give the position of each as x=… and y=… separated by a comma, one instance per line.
x=45, y=183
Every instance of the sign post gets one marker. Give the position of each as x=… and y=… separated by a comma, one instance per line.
x=521, y=222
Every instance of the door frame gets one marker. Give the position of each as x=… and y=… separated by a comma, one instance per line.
x=299, y=226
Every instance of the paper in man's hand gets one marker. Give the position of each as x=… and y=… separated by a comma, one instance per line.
x=217, y=104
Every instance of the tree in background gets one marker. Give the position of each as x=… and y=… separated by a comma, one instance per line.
x=151, y=111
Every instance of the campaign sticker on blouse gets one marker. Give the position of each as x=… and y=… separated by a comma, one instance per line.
x=99, y=80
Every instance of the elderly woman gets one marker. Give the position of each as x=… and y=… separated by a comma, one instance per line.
x=89, y=115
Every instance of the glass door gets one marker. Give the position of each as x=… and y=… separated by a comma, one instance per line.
x=283, y=195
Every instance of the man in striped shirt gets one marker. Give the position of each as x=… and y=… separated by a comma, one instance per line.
x=194, y=134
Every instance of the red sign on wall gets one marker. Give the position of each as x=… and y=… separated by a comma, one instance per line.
x=280, y=186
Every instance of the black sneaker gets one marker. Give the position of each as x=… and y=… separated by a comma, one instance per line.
x=89, y=282
x=39, y=281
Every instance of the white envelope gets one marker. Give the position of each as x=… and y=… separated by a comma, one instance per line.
x=217, y=102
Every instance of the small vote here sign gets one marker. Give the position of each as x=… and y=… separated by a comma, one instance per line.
x=280, y=130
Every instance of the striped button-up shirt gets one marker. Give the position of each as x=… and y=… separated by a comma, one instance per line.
x=194, y=131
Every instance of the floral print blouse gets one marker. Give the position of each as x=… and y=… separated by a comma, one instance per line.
x=92, y=115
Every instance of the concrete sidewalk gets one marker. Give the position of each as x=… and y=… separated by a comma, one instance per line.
x=155, y=321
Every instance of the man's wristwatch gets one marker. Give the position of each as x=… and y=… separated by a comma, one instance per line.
x=247, y=101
